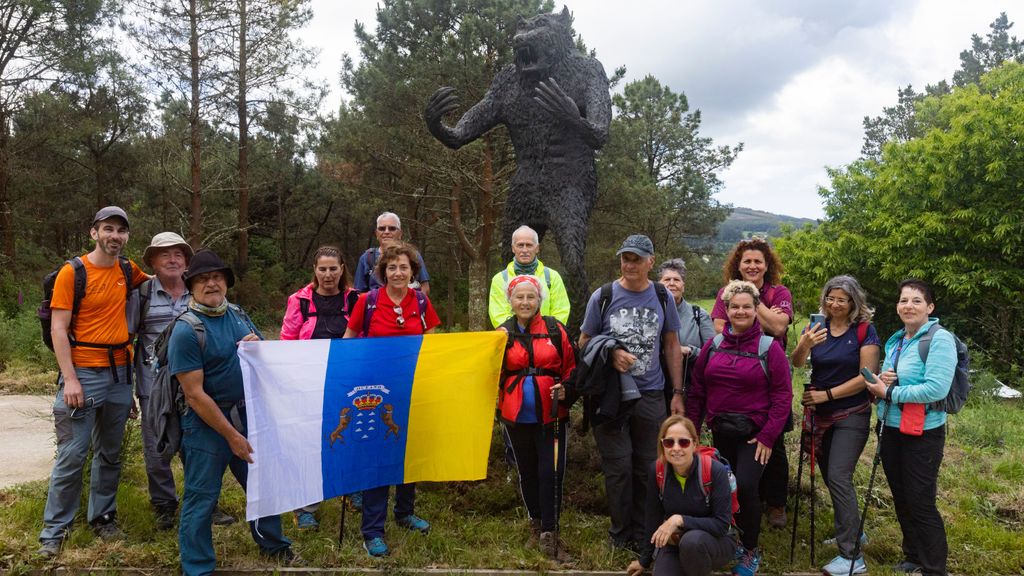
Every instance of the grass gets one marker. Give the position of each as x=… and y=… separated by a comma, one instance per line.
x=483, y=525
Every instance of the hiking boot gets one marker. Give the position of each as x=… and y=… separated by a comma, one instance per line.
x=748, y=564
x=48, y=549
x=108, y=530
x=375, y=547
x=414, y=523
x=222, y=518
x=840, y=566
x=356, y=501
x=554, y=548
x=286, y=558
x=306, y=521
x=907, y=567
x=534, y=533
x=777, y=516
x=165, y=517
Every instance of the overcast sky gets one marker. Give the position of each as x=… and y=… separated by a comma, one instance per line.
x=791, y=79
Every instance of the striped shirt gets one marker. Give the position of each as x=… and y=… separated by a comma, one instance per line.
x=162, y=309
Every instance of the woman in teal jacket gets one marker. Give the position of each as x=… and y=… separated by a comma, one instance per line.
x=913, y=434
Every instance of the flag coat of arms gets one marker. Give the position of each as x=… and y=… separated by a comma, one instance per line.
x=332, y=417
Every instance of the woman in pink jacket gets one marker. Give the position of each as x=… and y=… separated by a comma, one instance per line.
x=319, y=310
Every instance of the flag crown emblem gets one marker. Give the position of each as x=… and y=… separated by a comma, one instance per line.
x=368, y=401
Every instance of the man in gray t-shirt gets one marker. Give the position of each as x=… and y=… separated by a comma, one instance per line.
x=647, y=327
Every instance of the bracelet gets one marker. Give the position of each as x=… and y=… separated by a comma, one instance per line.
x=678, y=391
x=828, y=392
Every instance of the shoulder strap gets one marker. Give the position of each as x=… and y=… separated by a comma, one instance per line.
x=371, y=259
x=547, y=278
x=555, y=335
x=78, y=287
x=421, y=301
x=126, y=269
x=659, y=477
x=304, y=309
x=705, y=474
x=662, y=293
x=925, y=341
x=371, y=307
x=145, y=295
x=350, y=301
x=862, y=332
x=504, y=275
x=198, y=327
x=696, y=322
x=606, y=298
x=763, y=346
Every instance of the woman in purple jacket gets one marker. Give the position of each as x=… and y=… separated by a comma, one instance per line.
x=741, y=385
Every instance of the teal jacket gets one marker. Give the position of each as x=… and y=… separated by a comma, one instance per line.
x=920, y=382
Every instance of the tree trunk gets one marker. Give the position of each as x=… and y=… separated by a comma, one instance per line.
x=243, y=144
x=196, y=224
x=6, y=221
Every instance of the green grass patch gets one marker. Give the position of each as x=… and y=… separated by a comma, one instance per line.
x=483, y=524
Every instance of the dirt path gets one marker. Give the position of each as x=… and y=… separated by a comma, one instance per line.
x=26, y=439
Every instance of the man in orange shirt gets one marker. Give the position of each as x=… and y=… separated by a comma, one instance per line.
x=95, y=388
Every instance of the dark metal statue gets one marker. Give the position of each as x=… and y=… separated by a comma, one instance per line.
x=555, y=103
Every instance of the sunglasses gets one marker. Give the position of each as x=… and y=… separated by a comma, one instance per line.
x=399, y=316
x=671, y=442
x=80, y=412
x=388, y=228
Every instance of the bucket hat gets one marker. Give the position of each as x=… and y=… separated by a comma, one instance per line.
x=207, y=261
x=166, y=240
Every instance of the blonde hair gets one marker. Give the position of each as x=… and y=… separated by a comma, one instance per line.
x=737, y=287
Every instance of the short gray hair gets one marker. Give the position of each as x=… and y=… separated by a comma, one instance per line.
x=391, y=215
x=737, y=287
x=677, y=265
x=859, y=309
x=525, y=228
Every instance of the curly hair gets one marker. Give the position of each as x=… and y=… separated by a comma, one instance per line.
x=392, y=253
x=773, y=272
x=737, y=287
x=859, y=309
x=677, y=265
x=330, y=252
x=670, y=422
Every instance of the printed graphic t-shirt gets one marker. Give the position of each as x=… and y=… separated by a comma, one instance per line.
x=638, y=321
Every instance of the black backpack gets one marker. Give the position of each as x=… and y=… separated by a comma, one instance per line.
x=45, y=313
x=166, y=401
x=961, y=386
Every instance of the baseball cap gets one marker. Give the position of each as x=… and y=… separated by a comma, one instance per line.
x=109, y=212
x=637, y=244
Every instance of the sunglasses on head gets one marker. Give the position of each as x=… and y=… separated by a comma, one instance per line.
x=671, y=442
x=387, y=228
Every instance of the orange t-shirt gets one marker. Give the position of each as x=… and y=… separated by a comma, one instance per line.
x=101, y=315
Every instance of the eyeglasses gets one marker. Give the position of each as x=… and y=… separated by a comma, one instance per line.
x=671, y=442
x=839, y=301
x=399, y=316
x=80, y=412
x=388, y=228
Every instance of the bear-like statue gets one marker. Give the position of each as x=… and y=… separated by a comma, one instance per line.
x=555, y=103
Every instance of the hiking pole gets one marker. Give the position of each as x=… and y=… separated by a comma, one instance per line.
x=871, y=483
x=813, y=562
x=799, y=477
x=557, y=495
x=341, y=529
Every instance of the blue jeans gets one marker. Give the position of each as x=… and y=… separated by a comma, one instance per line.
x=100, y=425
x=206, y=456
x=375, y=507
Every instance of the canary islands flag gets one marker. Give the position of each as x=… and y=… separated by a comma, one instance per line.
x=331, y=417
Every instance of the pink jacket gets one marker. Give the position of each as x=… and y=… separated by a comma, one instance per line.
x=293, y=327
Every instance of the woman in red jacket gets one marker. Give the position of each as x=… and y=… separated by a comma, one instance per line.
x=533, y=407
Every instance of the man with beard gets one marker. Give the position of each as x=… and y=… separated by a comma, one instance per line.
x=94, y=399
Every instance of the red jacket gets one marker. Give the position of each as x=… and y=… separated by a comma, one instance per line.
x=545, y=357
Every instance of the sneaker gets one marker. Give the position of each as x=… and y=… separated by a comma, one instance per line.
x=108, y=531
x=48, y=549
x=832, y=541
x=287, y=558
x=415, y=523
x=840, y=566
x=627, y=545
x=777, y=516
x=306, y=521
x=222, y=518
x=554, y=548
x=375, y=547
x=748, y=564
x=356, y=499
x=907, y=567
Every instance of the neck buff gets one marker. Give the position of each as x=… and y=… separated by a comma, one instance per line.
x=528, y=269
x=208, y=310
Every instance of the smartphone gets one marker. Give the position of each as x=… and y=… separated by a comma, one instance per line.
x=817, y=319
x=912, y=419
x=868, y=375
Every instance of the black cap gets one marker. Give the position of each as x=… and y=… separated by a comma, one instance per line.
x=637, y=244
x=109, y=212
x=207, y=261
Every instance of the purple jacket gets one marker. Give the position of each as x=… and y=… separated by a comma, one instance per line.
x=730, y=383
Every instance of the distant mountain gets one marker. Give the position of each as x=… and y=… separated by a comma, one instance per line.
x=745, y=222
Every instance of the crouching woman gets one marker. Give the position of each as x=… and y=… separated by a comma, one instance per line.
x=689, y=532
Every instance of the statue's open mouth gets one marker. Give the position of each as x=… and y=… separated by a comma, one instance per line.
x=525, y=57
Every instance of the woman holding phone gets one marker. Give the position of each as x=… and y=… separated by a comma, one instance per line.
x=913, y=433
x=837, y=413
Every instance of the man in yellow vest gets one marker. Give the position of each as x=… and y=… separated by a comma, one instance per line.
x=525, y=248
